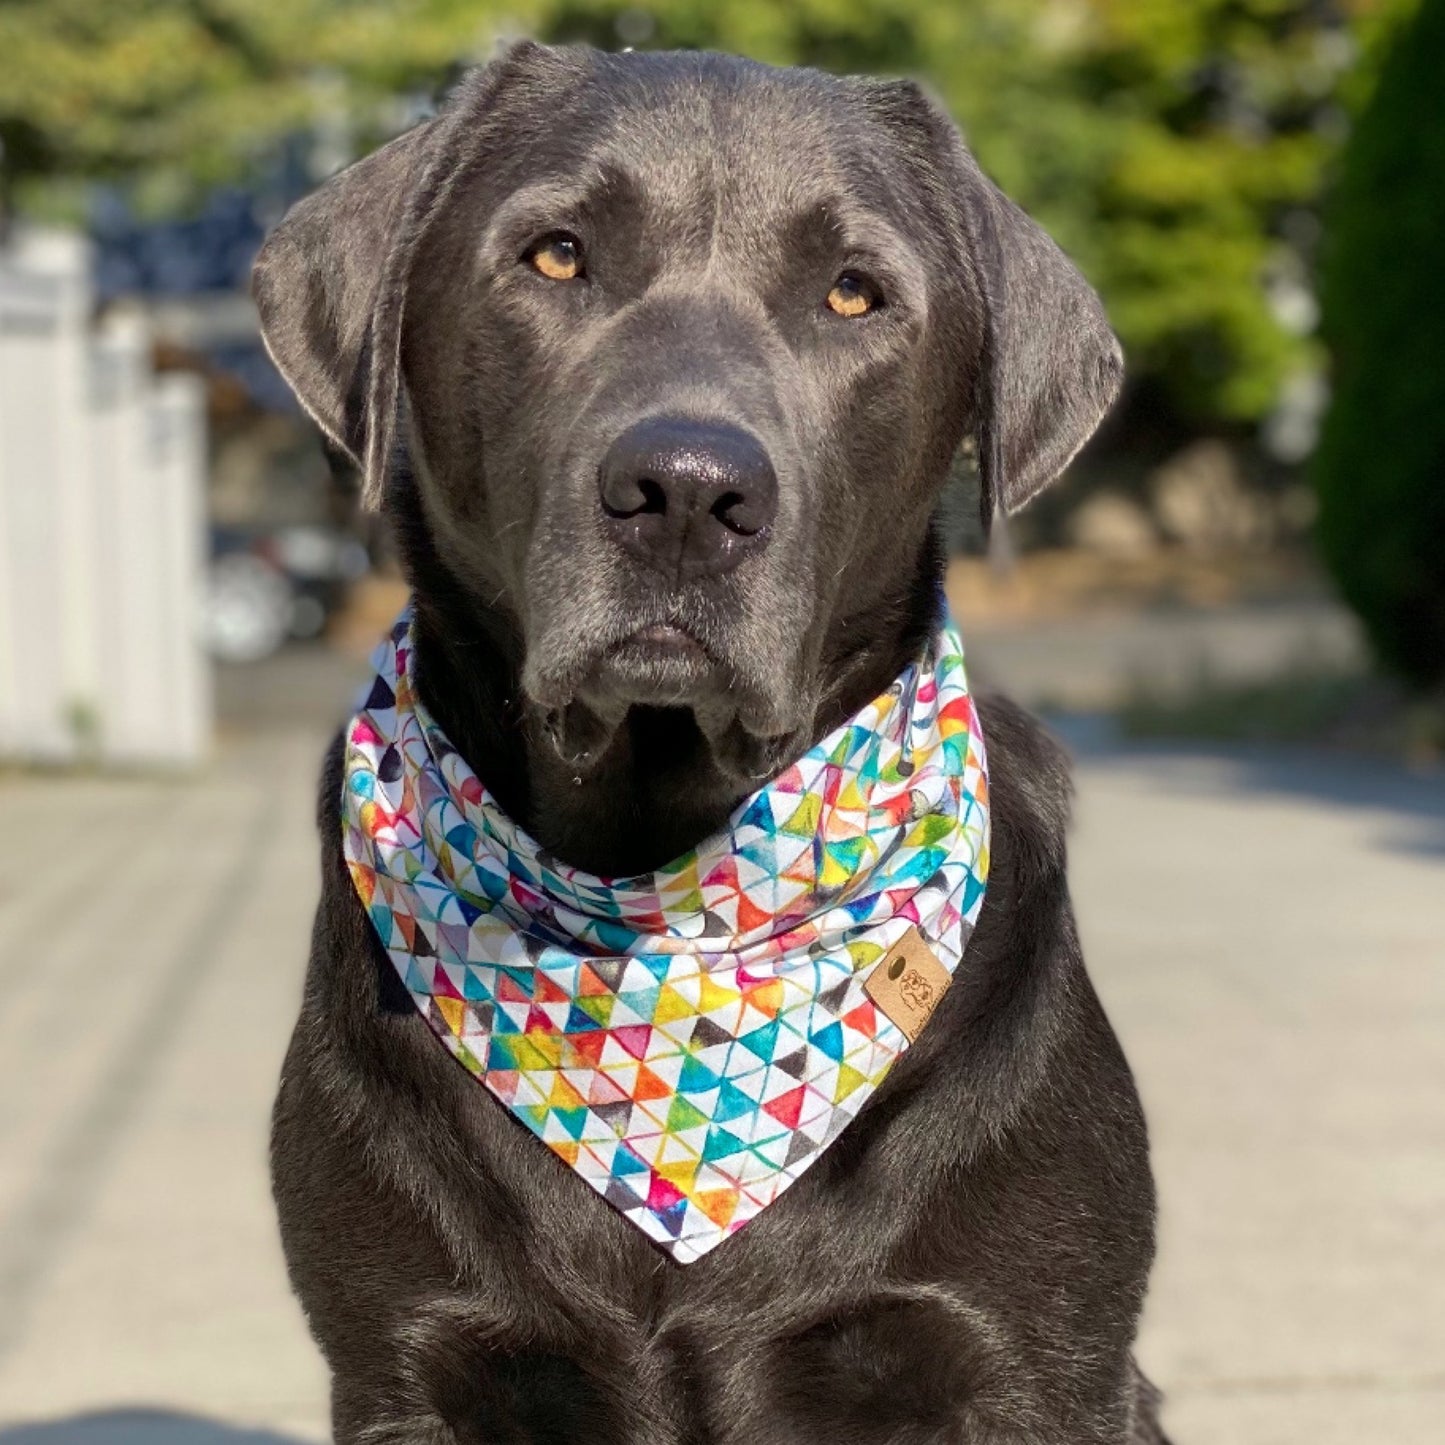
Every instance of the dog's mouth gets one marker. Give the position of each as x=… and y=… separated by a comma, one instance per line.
x=667, y=666
x=660, y=665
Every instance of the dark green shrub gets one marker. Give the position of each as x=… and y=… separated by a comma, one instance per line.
x=1380, y=469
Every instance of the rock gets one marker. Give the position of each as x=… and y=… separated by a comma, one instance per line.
x=1200, y=500
x=1112, y=525
x=1297, y=508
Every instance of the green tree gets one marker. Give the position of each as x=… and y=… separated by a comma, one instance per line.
x=177, y=94
x=1175, y=147
x=1380, y=468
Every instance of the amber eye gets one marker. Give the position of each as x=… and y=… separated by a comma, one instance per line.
x=558, y=257
x=853, y=295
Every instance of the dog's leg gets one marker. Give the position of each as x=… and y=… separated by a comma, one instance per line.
x=364, y=1414
x=1146, y=1429
x=447, y=1386
x=412, y=1431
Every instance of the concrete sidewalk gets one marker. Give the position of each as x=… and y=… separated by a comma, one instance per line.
x=1268, y=933
x=152, y=938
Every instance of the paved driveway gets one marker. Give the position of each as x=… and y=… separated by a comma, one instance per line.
x=1268, y=933
x=1269, y=937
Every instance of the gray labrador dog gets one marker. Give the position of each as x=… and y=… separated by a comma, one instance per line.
x=657, y=364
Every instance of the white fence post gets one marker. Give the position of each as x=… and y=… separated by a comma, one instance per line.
x=102, y=531
x=42, y=366
x=177, y=446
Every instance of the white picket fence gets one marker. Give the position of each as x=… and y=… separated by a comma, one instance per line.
x=102, y=529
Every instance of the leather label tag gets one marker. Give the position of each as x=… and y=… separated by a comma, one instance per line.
x=907, y=983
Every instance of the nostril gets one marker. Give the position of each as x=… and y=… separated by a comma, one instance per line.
x=634, y=497
x=733, y=511
x=654, y=495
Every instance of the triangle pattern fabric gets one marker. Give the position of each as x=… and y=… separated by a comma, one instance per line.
x=689, y=1041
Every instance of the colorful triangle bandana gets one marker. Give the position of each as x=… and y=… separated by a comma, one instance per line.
x=689, y=1040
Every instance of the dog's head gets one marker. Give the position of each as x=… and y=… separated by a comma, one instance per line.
x=678, y=350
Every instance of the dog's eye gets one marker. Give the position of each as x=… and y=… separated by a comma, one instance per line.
x=558, y=257
x=853, y=295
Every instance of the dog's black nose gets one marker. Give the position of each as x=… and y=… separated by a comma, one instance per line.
x=690, y=498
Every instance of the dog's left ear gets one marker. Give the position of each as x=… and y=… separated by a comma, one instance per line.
x=1050, y=367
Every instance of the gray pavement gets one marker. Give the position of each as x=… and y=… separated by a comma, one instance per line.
x=1098, y=660
x=1267, y=930
x=1268, y=934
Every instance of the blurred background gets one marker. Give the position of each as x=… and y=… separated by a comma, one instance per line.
x=1233, y=609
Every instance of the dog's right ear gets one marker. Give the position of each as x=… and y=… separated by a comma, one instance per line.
x=317, y=282
x=330, y=283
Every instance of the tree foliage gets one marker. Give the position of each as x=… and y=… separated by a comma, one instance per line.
x=1175, y=147
x=1170, y=145
x=1381, y=465
x=193, y=91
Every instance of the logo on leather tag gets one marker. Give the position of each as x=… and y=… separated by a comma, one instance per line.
x=907, y=983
